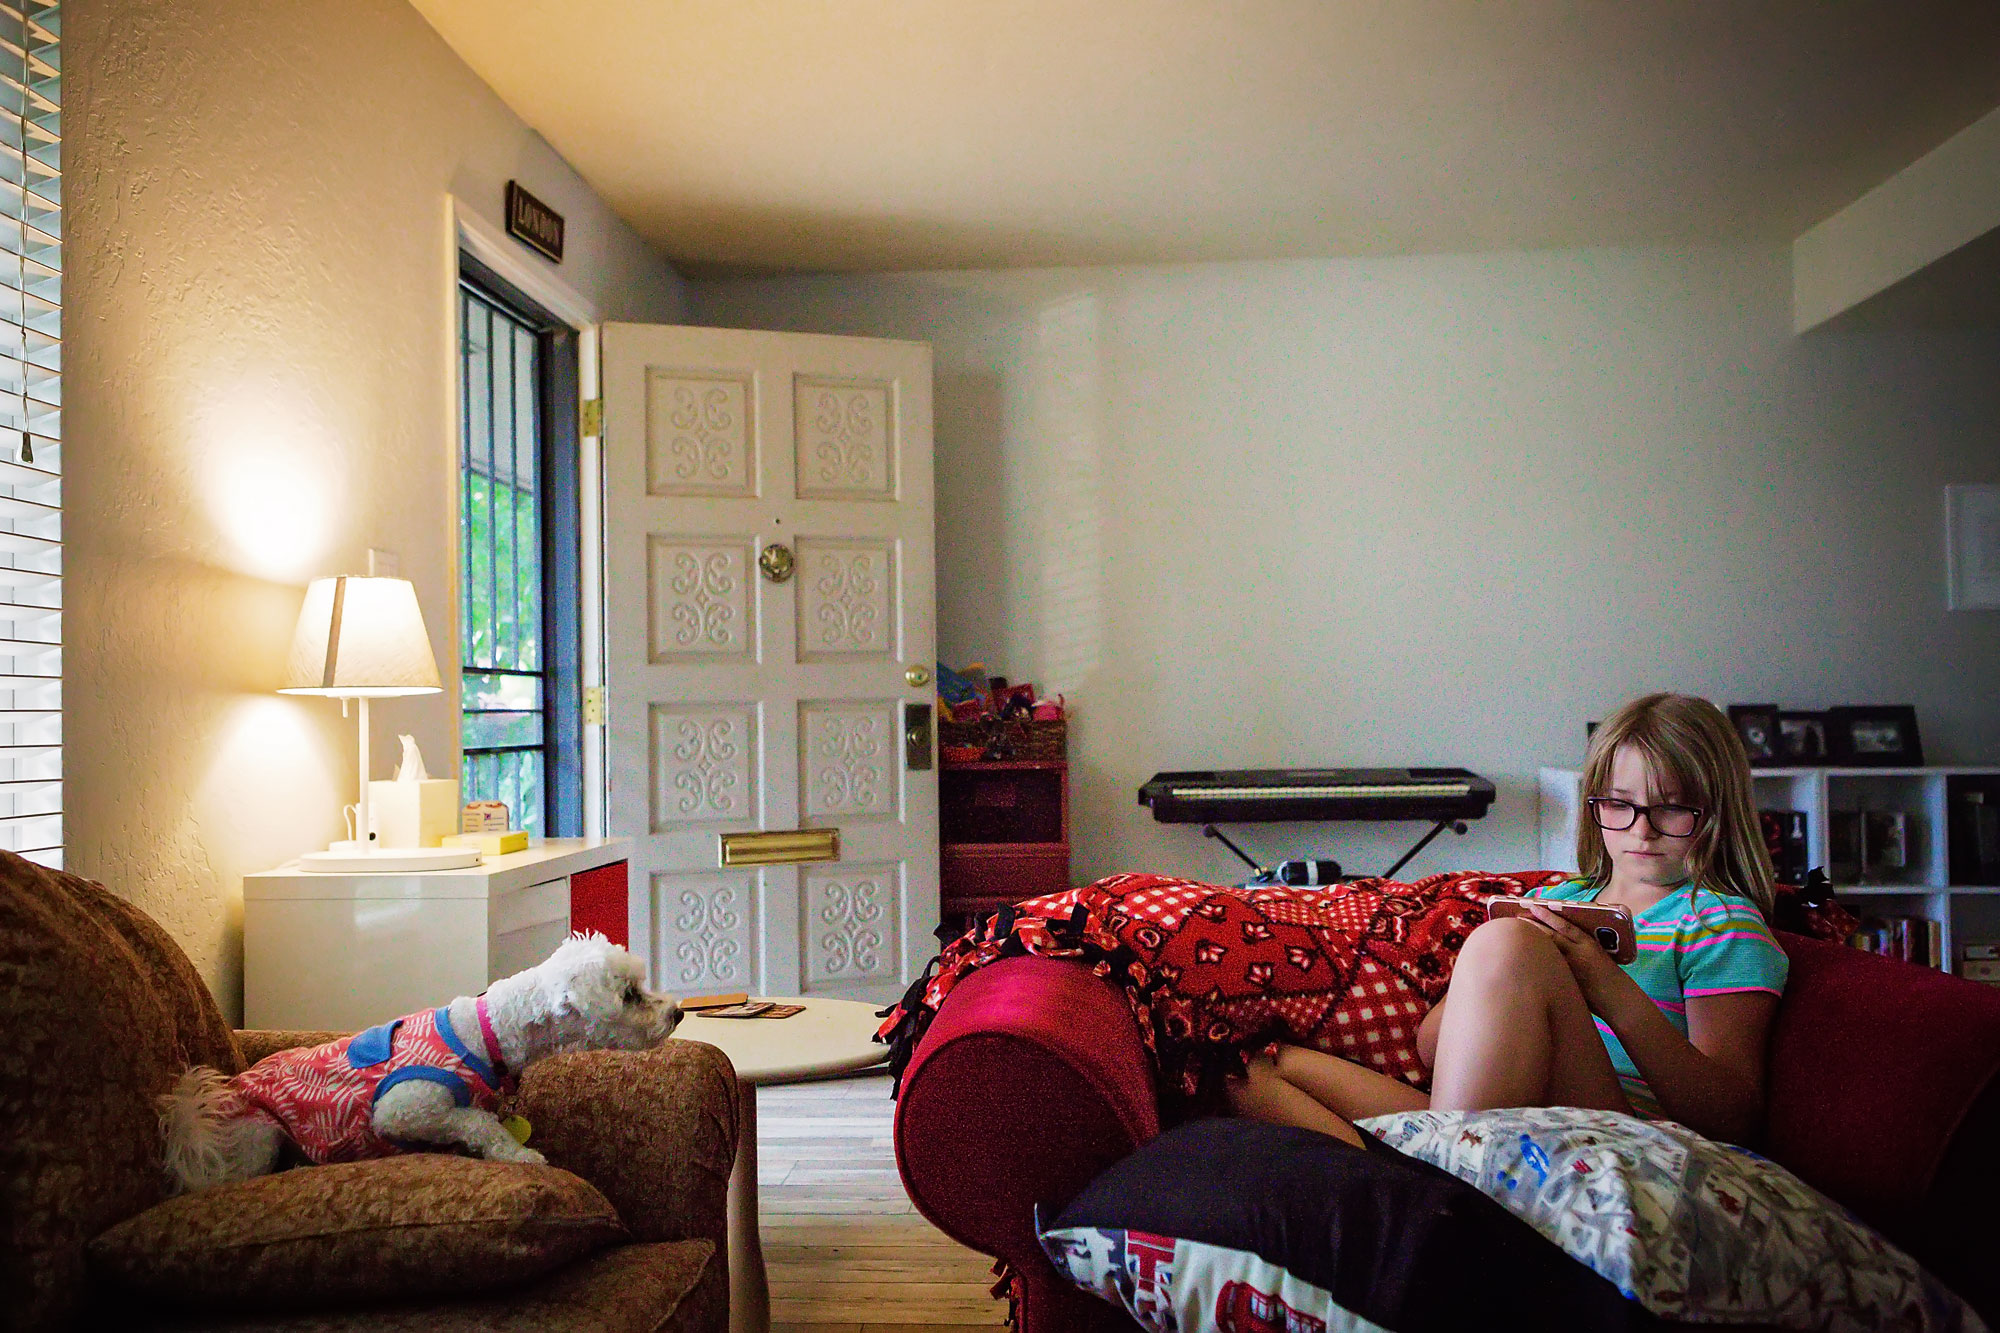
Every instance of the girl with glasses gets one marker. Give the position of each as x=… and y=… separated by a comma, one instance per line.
x=1537, y=1014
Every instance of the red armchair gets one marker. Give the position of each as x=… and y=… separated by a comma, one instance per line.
x=1883, y=1094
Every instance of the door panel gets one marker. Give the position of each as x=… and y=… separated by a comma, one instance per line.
x=751, y=699
x=852, y=926
x=847, y=599
x=848, y=771
x=706, y=930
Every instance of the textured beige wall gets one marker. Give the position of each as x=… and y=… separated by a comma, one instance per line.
x=258, y=380
x=1429, y=510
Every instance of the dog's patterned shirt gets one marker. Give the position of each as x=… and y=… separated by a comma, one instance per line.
x=323, y=1097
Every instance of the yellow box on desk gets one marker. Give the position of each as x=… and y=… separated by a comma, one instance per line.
x=490, y=844
x=413, y=814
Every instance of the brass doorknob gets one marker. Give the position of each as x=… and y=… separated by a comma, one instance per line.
x=776, y=562
x=917, y=676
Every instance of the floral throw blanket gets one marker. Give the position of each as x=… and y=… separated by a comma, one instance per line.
x=1211, y=972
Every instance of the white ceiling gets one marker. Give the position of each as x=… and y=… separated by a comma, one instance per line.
x=907, y=134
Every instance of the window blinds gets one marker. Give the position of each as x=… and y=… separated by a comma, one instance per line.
x=31, y=431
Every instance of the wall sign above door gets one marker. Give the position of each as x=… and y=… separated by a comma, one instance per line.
x=533, y=222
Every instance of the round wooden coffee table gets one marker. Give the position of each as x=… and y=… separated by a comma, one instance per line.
x=830, y=1037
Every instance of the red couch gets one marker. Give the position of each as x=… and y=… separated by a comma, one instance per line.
x=1883, y=1094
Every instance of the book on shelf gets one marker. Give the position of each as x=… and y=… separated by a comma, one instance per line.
x=1980, y=962
x=1843, y=845
x=1785, y=840
x=1913, y=939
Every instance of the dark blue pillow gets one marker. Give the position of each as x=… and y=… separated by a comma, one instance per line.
x=1254, y=1228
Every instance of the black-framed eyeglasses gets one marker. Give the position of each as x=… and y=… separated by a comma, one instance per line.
x=1669, y=821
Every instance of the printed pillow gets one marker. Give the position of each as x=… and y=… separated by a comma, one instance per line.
x=1246, y=1227
x=1692, y=1229
x=397, y=1228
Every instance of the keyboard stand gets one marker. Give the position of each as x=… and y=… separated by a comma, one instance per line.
x=1455, y=825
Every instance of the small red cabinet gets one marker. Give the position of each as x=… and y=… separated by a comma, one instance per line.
x=1003, y=831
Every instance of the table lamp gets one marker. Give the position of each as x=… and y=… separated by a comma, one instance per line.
x=362, y=639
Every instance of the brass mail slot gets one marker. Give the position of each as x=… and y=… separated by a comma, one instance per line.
x=780, y=848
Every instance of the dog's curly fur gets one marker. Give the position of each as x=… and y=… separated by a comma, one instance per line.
x=589, y=995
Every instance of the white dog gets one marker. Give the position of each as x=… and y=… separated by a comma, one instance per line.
x=435, y=1077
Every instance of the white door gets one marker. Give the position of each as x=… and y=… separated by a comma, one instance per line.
x=745, y=697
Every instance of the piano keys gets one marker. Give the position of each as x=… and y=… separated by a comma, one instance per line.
x=1266, y=795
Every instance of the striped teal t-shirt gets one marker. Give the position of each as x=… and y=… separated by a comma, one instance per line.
x=1693, y=942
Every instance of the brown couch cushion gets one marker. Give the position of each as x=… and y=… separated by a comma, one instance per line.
x=395, y=1229
x=672, y=1287
x=99, y=1013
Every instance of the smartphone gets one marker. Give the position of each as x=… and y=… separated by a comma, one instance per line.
x=1610, y=925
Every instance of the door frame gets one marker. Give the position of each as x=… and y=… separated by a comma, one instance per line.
x=468, y=229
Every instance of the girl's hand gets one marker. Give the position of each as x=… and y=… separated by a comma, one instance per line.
x=1604, y=984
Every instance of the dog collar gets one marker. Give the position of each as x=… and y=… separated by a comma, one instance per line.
x=492, y=1041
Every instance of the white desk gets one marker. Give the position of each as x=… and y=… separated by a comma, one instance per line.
x=341, y=952
x=830, y=1037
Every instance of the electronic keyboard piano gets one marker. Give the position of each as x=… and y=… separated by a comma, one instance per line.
x=1445, y=796
x=1264, y=795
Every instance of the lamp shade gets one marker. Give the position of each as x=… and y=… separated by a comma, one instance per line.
x=361, y=639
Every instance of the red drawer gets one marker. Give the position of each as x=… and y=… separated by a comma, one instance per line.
x=980, y=878
x=598, y=901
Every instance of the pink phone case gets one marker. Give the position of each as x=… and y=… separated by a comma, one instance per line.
x=1611, y=925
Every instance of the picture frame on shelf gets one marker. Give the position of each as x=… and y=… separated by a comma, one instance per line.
x=1885, y=840
x=1757, y=727
x=1879, y=737
x=1972, y=547
x=1802, y=738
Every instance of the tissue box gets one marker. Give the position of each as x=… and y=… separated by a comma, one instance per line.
x=413, y=814
x=483, y=817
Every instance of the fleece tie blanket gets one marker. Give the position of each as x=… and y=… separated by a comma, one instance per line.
x=1212, y=972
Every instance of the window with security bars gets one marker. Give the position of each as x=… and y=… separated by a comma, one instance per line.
x=31, y=821
x=518, y=634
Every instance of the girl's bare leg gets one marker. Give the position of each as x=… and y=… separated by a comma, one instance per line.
x=1517, y=1032
x=1266, y=1095
x=1348, y=1089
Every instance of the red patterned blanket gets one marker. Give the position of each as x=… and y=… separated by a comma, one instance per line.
x=1213, y=972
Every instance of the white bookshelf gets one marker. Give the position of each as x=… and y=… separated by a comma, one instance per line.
x=1965, y=913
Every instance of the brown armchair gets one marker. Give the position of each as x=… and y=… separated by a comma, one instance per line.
x=100, y=1012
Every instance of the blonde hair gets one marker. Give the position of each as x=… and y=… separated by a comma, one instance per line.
x=1689, y=745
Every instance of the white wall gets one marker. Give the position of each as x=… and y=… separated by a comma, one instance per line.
x=259, y=362
x=1434, y=510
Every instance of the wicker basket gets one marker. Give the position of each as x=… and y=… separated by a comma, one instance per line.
x=1021, y=738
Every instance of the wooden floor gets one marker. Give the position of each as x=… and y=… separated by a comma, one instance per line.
x=845, y=1248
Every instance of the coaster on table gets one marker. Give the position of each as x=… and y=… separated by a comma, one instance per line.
x=693, y=1003
x=753, y=1009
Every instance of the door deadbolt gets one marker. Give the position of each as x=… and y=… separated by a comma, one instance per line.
x=776, y=562
x=917, y=737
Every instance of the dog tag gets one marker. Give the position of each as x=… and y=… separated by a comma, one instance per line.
x=518, y=1126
